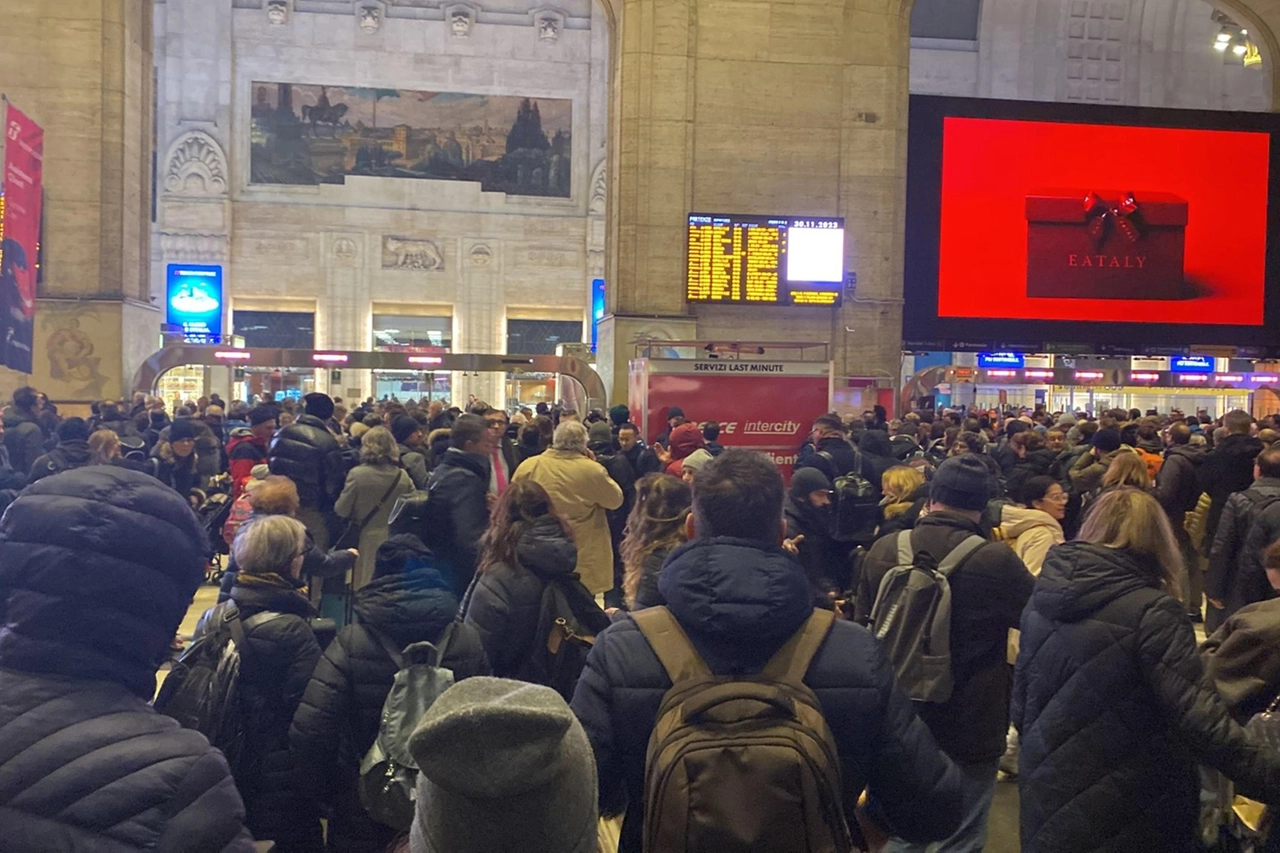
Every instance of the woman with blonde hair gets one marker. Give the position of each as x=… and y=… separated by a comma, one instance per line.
x=906, y=494
x=1127, y=469
x=104, y=447
x=655, y=528
x=1110, y=696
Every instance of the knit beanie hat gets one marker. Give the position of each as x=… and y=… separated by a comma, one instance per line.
x=961, y=482
x=505, y=765
x=404, y=426
x=685, y=439
x=695, y=460
x=182, y=429
x=261, y=414
x=806, y=481
x=599, y=432
x=257, y=476
x=318, y=405
x=619, y=414
x=1106, y=440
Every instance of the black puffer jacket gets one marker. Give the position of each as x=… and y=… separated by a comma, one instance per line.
x=1035, y=464
x=307, y=453
x=826, y=563
x=1177, y=486
x=457, y=514
x=89, y=766
x=1226, y=469
x=504, y=602
x=647, y=592
x=1115, y=711
x=340, y=713
x=1235, y=575
x=275, y=667
x=739, y=602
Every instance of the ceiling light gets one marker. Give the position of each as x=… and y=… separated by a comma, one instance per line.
x=1221, y=46
x=1239, y=49
x=1224, y=34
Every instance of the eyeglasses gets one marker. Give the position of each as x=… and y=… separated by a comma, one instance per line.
x=1059, y=498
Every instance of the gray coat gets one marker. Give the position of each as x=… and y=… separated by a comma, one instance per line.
x=416, y=464
x=366, y=484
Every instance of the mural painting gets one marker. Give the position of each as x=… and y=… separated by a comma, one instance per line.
x=303, y=134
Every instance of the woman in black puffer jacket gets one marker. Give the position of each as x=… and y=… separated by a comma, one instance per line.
x=407, y=602
x=1111, y=699
x=526, y=547
x=280, y=655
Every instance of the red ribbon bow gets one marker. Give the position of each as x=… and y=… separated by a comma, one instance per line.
x=1101, y=216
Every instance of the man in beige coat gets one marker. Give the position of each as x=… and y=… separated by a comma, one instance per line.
x=582, y=492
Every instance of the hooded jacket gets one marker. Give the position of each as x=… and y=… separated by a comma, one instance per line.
x=825, y=562
x=1227, y=469
x=1250, y=522
x=64, y=457
x=1114, y=711
x=458, y=512
x=1177, y=483
x=1031, y=532
x=739, y=601
x=90, y=766
x=338, y=718
x=23, y=438
x=307, y=453
x=504, y=602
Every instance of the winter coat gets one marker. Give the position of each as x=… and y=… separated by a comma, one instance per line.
x=1036, y=463
x=1227, y=469
x=1114, y=711
x=1031, y=533
x=647, y=592
x=317, y=564
x=244, y=453
x=1242, y=658
x=582, y=493
x=279, y=656
x=362, y=498
x=23, y=438
x=843, y=459
x=1235, y=575
x=338, y=718
x=988, y=591
x=180, y=474
x=416, y=465
x=826, y=563
x=88, y=766
x=1177, y=484
x=64, y=457
x=307, y=453
x=504, y=602
x=457, y=514
x=739, y=601
x=1088, y=471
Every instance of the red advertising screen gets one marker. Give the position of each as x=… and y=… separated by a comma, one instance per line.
x=1044, y=220
x=1034, y=225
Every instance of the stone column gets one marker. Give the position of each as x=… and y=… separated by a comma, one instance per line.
x=82, y=70
x=757, y=106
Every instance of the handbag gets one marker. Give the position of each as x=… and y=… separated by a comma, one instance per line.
x=350, y=537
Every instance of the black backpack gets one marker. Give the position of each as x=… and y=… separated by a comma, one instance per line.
x=568, y=621
x=857, y=502
x=203, y=692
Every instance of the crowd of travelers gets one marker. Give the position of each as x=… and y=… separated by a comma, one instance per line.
x=459, y=630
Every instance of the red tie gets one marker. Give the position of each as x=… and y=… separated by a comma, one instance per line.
x=498, y=470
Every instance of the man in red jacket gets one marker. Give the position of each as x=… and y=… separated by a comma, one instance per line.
x=249, y=447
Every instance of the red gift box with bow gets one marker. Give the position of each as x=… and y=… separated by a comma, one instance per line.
x=1106, y=244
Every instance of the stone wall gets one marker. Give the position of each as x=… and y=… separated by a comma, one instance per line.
x=385, y=244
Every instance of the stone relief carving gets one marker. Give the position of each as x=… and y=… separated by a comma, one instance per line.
x=179, y=246
x=344, y=250
x=549, y=29
x=195, y=165
x=277, y=12
x=599, y=190
x=548, y=258
x=481, y=256
x=400, y=253
x=461, y=20
x=369, y=17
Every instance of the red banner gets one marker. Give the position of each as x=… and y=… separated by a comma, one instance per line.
x=20, y=238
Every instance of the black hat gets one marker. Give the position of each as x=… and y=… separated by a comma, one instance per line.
x=404, y=426
x=675, y=412
x=318, y=405
x=1106, y=440
x=182, y=429
x=806, y=481
x=261, y=414
x=73, y=429
x=961, y=482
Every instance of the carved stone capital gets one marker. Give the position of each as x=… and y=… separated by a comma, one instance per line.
x=195, y=166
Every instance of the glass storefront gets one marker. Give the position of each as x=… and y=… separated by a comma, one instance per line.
x=426, y=335
x=274, y=330
x=537, y=337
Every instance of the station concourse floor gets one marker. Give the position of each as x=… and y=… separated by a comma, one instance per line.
x=1002, y=835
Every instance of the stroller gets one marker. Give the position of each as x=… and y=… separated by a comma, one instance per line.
x=213, y=513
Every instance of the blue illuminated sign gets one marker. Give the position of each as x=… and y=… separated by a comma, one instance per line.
x=1191, y=364
x=1002, y=359
x=193, y=300
x=597, y=310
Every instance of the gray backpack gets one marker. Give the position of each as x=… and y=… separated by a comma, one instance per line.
x=388, y=773
x=911, y=618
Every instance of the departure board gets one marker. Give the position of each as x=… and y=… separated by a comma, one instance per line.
x=765, y=260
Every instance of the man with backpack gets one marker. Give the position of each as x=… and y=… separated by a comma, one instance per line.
x=1250, y=519
x=855, y=478
x=964, y=700
x=740, y=634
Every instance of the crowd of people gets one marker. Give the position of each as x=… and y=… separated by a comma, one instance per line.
x=651, y=645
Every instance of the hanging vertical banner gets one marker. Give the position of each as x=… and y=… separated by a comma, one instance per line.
x=19, y=241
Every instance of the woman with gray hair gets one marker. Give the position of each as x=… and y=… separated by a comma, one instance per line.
x=370, y=493
x=280, y=653
x=582, y=493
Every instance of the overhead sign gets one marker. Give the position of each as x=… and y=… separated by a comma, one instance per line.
x=597, y=310
x=193, y=297
x=1002, y=359
x=1191, y=364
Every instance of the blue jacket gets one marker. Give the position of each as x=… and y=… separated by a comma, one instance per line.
x=739, y=601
